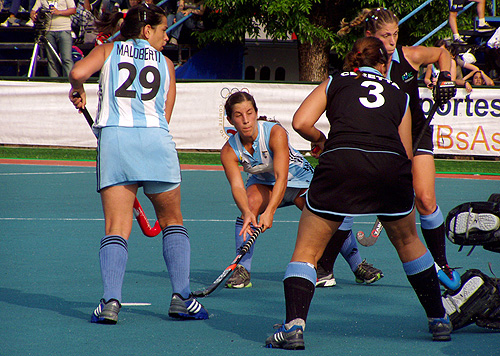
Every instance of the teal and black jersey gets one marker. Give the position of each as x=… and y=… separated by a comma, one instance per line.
x=371, y=120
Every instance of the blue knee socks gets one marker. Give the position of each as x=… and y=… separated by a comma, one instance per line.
x=177, y=255
x=113, y=256
x=422, y=276
x=350, y=252
x=299, y=284
x=433, y=231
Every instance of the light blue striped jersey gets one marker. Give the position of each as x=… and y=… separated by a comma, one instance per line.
x=133, y=86
x=259, y=166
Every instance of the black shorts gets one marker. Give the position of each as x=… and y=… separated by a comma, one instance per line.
x=426, y=146
x=354, y=182
x=456, y=5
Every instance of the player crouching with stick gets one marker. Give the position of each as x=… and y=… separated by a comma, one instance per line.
x=365, y=169
x=278, y=176
x=135, y=148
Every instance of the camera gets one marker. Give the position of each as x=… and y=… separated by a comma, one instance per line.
x=42, y=19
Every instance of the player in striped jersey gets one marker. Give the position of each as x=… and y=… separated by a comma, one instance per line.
x=135, y=149
x=278, y=176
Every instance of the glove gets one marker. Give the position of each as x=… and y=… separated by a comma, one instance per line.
x=445, y=89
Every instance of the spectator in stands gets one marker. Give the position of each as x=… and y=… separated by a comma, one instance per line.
x=132, y=3
x=58, y=33
x=185, y=8
x=457, y=64
x=82, y=23
x=480, y=78
x=15, y=5
x=458, y=5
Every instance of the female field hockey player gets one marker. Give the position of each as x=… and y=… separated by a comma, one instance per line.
x=365, y=169
x=403, y=66
x=278, y=176
x=135, y=148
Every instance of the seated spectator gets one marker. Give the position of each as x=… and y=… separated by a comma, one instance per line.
x=15, y=5
x=458, y=5
x=457, y=63
x=185, y=8
x=480, y=78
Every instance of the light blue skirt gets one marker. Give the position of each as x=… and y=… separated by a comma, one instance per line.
x=128, y=155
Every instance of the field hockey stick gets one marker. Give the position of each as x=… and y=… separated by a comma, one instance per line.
x=218, y=281
x=377, y=226
x=138, y=212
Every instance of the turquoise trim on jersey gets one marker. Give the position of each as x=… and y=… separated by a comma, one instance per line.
x=370, y=70
x=395, y=58
x=330, y=80
x=259, y=166
x=133, y=86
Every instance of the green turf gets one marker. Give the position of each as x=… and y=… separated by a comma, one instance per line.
x=489, y=167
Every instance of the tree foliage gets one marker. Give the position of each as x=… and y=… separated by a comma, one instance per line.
x=317, y=21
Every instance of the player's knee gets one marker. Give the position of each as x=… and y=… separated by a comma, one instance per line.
x=426, y=203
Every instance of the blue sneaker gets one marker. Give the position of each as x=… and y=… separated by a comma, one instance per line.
x=186, y=308
x=448, y=277
x=106, y=313
x=440, y=328
x=291, y=339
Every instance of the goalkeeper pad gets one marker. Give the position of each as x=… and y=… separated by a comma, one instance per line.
x=475, y=223
x=476, y=301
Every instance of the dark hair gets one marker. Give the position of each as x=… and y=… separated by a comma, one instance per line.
x=139, y=16
x=367, y=51
x=442, y=42
x=236, y=98
x=108, y=21
x=372, y=19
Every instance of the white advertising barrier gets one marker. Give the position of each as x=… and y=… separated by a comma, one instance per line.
x=467, y=125
x=39, y=113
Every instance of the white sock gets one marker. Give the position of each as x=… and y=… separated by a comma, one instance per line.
x=298, y=321
x=456, y=36
x=482, y=22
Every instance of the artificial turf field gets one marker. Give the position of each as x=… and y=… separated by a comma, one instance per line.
x=51, y=223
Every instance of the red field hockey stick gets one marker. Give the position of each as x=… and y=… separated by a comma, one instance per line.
x=377, y=226
x=138, y=212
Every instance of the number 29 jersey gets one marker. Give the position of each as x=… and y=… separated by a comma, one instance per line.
x=365, y=112
x=133, y=86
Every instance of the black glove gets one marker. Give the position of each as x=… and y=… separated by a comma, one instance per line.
x=445, y=89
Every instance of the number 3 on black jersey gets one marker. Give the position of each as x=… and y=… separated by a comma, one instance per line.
x=375, y=98
x=149, y=77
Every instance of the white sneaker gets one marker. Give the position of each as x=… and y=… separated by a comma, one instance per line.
x=465, y=222
x=29, y=23
x=11, y=21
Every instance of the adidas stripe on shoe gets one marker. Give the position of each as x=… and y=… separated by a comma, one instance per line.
x=186, y=308
x=106, y=313
x=291, y=339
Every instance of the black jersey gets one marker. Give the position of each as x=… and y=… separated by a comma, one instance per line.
x=406, y=77
x=371, y=122
x=364, y=169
